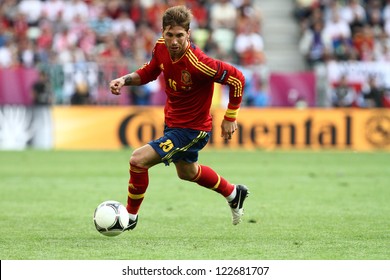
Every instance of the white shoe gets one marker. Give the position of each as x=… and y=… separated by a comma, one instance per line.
x=237, y=204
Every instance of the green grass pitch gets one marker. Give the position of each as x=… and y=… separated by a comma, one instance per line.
x=304, y=205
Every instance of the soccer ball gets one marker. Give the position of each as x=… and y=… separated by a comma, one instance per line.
x=111, y=218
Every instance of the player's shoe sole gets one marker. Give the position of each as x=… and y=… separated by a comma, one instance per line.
x=132, y=224
x=237, y=204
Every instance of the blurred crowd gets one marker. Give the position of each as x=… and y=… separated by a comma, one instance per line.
x=118, y=36
x=61, y=31
x=344, y=30
x=113, y=37
x=347, y=30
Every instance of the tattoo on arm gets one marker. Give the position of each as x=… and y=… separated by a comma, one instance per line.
x=128, y=80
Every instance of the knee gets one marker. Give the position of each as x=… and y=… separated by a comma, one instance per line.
x=188, y=173
x=136, y=159
x=184, y=176
x=144, y=157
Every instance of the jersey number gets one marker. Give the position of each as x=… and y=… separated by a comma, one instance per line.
x=166, y=146
x=172, y=84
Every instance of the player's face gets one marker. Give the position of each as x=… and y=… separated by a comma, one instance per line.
x=176, y=40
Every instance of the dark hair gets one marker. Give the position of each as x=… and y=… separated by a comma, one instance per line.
x=177, y=16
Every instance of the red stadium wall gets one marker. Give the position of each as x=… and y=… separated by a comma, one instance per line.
x=113, y=127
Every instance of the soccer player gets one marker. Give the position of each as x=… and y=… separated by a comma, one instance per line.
x=189, y=77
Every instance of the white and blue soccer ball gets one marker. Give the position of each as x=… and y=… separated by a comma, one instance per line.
x=111, y=218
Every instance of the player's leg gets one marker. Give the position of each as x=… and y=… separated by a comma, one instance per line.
x=156, y=151
x=141, y=160
x=205, y=177
x=188, y=169
x=208, y=178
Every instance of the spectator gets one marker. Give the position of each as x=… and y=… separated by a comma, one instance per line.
x=249, y=14
x=8, y=54
x=303, y=9
x=338, y=33
x=102, y=26
x=42, y=97
x=9, y=8
x=77, y=27
x=363, y=42
x=375, y=20
x=44, y=43
x=114, y=9
x=354, y=14
x=88, y=43
x=202, y=35
x=153, y=13
x=73, y=9
x=140, y=96
x=387, y=27
x=144, y=44
x=223, y=15
x=313, y=45
x=331, y=8
x=255, y=91
x=95, y=7
x=53, y=9
x=125, y=44
x=343, y=94
x=81, y=94
x=200, y=12
x=382, y=48
x=249, y=46
x=372, y=93
x=110, y=52
x=317, y=16
x=71, y=54
x=123, y=24
x=386, y=11
x=27, y=54
x=20, y=26
x=63, y=40
x=32, y=9
x=136, y=11
x=3, y=35
x=41, y=90
x=223, y=18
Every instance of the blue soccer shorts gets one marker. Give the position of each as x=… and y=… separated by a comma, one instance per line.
x=180, y=144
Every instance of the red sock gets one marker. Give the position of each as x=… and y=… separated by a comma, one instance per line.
x=208, y=178
x=138, y=183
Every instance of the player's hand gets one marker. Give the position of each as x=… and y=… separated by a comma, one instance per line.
x=227, y=129
x=116, y=85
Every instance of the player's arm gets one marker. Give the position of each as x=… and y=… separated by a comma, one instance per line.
x=132, y=79
x=147, y=73
x=232, y=77
x=228, y=128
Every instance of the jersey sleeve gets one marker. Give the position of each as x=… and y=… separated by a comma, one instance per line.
x=150, y=70
x=232, y=77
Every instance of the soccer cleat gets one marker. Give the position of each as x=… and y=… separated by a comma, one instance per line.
x=236, y=205
x=132, y=224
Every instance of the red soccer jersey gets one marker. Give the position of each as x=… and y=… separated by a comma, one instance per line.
x=190, y=85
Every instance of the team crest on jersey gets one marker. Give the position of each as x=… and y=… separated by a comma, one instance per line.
x=186, y=77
